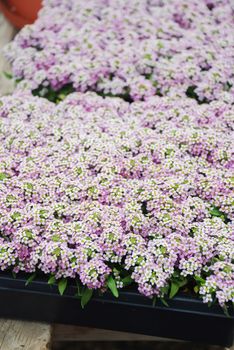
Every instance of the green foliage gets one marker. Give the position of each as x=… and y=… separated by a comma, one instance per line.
x=154, y=301
x=51, y=280
x=190, y=92
x=176, y=285
x=3, y=176
x=225, y=310
x=112, y=286
x=62, y=285
x=216, y=212
x=164, y=302
x=86, y=296
x=174, y=289
x=199, y=279
x=127, y=281
x=52, y=95
x=8, y=75
x=16, y=215
x=30, y=279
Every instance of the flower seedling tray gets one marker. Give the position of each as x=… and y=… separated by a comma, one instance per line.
x=186, y=318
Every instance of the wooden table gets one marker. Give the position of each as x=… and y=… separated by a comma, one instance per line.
x=21, y=335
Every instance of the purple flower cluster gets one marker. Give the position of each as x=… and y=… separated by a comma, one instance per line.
x=94, y=186
x=134, y=49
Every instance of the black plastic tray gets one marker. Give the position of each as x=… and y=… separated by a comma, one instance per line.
x=185, y=319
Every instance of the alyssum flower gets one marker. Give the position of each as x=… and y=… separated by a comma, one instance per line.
x=132, y=49
x=102, y=190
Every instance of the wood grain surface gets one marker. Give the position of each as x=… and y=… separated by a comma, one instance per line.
x=19, y=335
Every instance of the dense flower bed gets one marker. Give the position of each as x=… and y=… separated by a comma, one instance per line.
x=133, y=49
x=111, y=193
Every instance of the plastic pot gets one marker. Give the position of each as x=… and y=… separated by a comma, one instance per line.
x=20, y=12
x=186, y=318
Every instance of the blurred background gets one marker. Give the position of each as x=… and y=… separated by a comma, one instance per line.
x=7, y=31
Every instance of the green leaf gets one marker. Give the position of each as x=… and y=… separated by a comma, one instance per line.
x=79, y=291
x=28, y=233
x=55, y=238
x=196, y=289
x=52, y=280
x=112, y=286
x=30, y=279
x=190, y=92
x=165, y=289
x=225, y=310
x=214, y=211
x=86, y=296
x=182, y=282
x=62, y=285
x=16, y=216
x=8, y=75
x=199, y=279
x=176, y=285
x=127, y=281
x=174, y=289
x=57, y=251
x=164, y=302
x=154, y=301
x=3, y=176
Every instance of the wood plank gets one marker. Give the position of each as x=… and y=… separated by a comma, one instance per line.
x=19, y=335
x=66, y=333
